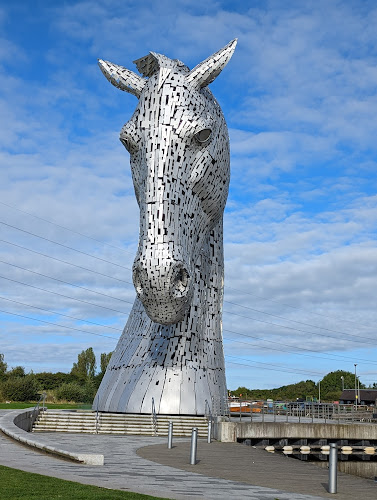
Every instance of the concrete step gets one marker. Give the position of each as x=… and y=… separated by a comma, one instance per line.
x=116, y=423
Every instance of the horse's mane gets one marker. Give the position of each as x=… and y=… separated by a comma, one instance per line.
x=151, y=64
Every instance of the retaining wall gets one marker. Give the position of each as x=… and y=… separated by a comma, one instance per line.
x=231, y=431
x=15, y=425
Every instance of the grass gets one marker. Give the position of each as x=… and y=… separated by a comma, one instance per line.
x=51, y=406
x=19, y=485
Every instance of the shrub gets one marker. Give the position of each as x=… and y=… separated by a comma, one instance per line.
x=75, y=392
x=20, y=389
x=49, y=381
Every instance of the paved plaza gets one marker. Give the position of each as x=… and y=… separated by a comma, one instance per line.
x=145, y=465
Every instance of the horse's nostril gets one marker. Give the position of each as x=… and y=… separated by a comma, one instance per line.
x=138, y=282
x=180, y=282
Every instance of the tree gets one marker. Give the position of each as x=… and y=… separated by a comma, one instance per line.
x=3, y=367
x=17, y=372
x=48, y=380
x=85, y=367
x=332, y=384
x=105, y=359
x=20, y=388
x=73, y=391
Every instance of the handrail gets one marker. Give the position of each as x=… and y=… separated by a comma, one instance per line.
x=36, y=409
x=97, y=415
x=210, y=419
x=154, y=417
x=209, y=414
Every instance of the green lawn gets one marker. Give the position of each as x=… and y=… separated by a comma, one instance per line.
x=19, y=485
x=52, y=406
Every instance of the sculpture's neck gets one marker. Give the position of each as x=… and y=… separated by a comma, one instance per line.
x=208, y=295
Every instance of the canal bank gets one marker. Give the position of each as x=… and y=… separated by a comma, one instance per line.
x=357, y=443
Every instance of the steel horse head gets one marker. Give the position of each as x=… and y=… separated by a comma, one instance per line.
x=179, y=154
x=179, y=148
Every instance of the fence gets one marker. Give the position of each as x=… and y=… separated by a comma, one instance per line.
x=302, y=412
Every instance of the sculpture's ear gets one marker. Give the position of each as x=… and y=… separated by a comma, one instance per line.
x=205, y=73
x=122, y=78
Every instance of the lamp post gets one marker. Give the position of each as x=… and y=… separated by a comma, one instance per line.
x=319, y=391
x=342, y=378
x=355, y=388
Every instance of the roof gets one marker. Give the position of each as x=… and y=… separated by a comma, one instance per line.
x=365, y=395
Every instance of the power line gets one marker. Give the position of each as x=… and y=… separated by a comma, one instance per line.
x=61, y=314
x=283, y=317
x=123, y=250
x=298, y=308
x=227, y=312
x=65, y=262
x=282, y=369
x=64, y=246
x=230, y=331
x=66, y=228
x=116, y=298
x=299, y=348
x=66, y=282
x=225, y=301
x=65, y=296
x=305, y=331
x=126, y=314
x=314, y=356
x=56, y=324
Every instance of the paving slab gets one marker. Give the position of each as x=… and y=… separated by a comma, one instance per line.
x=255, y=466
x=147, y=472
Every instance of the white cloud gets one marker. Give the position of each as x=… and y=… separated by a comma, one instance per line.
x=300, y=227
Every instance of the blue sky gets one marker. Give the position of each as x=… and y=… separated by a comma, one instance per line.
x=300, y=99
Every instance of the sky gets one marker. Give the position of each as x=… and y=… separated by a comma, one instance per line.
x=300, y=99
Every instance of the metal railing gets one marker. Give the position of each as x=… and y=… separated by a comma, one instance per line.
x=97, y=415
x=210, y=418
x=154, y=418
x=37, y=409
x=304, y=412
x=220, y=407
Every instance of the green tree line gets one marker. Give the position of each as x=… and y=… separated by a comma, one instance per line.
x=329, y=388
x=79, y=385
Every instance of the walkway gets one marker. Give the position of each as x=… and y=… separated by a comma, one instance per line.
x=225, y=470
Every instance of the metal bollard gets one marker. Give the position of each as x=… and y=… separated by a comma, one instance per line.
x=194, y=442
x=333, y=468
x=209, y=435
x=170, y=435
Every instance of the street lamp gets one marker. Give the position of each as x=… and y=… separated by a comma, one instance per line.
x=342, y=378
x=319, y=391
x=355, y=387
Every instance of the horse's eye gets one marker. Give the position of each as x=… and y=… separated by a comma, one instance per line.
x=204, y=135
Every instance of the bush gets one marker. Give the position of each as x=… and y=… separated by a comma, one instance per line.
x=75, y=392
x=20, y=389
x=49, y=381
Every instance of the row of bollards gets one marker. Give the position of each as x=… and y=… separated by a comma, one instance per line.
x=333, y=455
x=333, y=468
x=194, y=440
x=194, y=443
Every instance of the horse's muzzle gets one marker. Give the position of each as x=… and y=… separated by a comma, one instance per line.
x=164, y=288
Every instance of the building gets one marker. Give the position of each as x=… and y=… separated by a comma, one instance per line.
x=365, y=397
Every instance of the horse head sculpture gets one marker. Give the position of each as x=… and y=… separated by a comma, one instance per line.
x=179, y=155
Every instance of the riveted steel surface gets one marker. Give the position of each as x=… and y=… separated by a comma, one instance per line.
x=171, y=347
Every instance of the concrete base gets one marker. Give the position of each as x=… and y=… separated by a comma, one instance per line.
x=230, y=432
x=14, y=425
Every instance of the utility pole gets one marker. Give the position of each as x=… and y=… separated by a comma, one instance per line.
x=342, y=378
x=358, y=390
x=355, y=388
x=319, y=391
